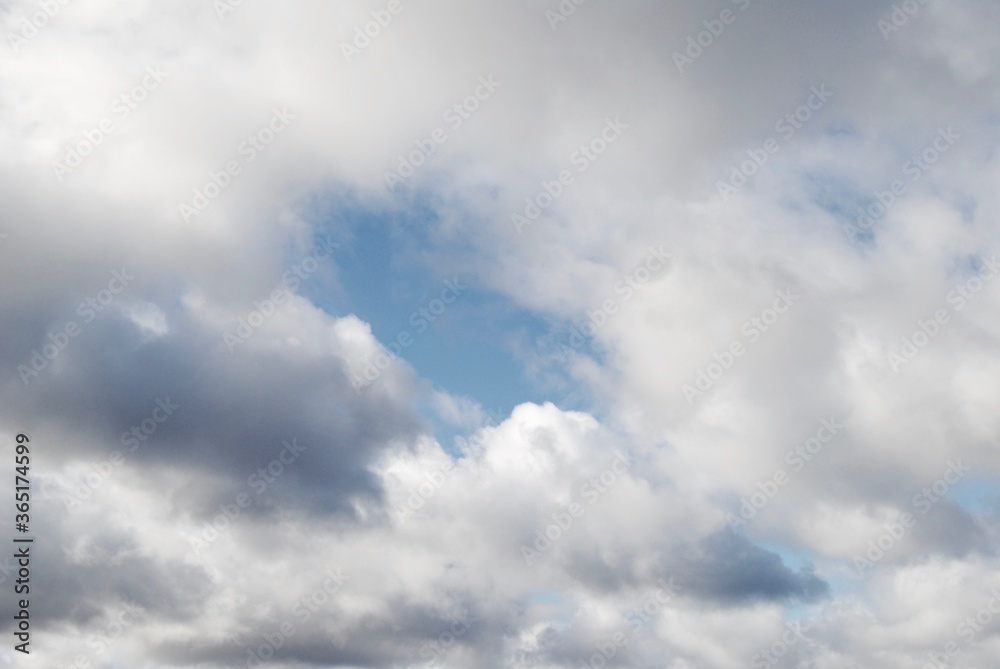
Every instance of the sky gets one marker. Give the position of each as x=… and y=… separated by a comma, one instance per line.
x=534, y=334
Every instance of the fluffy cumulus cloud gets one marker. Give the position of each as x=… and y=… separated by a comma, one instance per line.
x=729, y=269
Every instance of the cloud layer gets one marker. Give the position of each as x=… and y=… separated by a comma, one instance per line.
x=745, y=250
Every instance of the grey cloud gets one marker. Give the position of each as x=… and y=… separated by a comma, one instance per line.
x=729, y=569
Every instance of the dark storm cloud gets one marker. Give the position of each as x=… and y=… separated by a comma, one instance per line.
x=723, y=568
x=729, y=569
x=231, y=411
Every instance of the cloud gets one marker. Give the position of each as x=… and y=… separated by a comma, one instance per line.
x=203, y=255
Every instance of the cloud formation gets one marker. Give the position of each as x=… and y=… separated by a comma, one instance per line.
x=743, y=252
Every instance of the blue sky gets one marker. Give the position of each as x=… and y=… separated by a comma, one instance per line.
x=468, y=350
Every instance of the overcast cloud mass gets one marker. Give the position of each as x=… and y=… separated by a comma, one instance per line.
x=533, y=334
